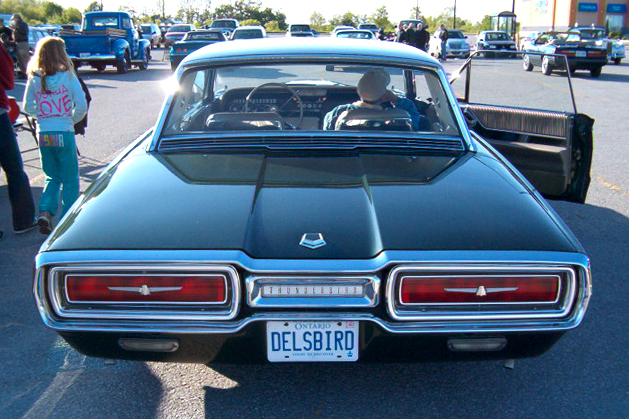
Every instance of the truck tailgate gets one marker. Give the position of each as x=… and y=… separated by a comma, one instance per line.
x=93, y=44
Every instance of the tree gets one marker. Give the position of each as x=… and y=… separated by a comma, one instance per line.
x=347, y=19
x=381, y=18
x=484, y=25
x=71, y=15
x=317, y=19
x=273, y=26
x=52, y=9
x=94, y=6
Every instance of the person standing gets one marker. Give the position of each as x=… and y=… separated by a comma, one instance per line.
x=20, y=36
x=410, y=34
x=54, y=96
x=20, y=195
x=443, y=36
x=401, y=33
x=423, y=37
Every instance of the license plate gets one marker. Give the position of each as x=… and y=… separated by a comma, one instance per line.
x=84, y=54
x=581, y=54
x=315, y=341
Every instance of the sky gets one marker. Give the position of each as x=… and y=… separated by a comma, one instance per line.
x=300, y=11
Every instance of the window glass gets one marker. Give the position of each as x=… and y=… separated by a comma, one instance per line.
x=105, y=21
x=310, y=97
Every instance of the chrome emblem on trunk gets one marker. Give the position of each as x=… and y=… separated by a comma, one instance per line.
x=144, y=289
x=480, y=291
x=312, y=240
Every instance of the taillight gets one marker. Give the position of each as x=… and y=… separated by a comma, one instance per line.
x=178, y=50
x=479, y=289
x=147, y=289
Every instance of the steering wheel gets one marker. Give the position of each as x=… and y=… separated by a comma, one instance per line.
x=278, y=109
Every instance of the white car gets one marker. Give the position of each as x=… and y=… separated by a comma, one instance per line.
x=152, y=33
x=527, y=40
x=456, y=45
x=354, y=34
x=248, y=32
x=341, y=28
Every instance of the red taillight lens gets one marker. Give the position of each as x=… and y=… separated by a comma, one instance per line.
x=479, y=289
x=159, y=288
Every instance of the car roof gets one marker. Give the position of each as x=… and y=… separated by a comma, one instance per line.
x=239, y=28
x=315, y=48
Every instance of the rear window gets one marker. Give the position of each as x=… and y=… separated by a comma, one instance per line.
x=248, y=34
x=300, y=28
x=223, y=24
x=179, y=28
x=497, y=36
x=105, y=21
x=455, y=34
x=204, y=36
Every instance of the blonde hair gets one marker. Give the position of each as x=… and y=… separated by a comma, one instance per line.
x=50, y=57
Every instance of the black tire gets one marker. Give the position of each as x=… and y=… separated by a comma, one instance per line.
x=526, y=63
x=122, y=66
x=617, y=61
x=100, y=67
x=547, y=70
x=145, y=61
x=596, y=72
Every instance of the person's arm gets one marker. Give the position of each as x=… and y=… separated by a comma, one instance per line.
x=78, y=96
x=29, y=105
x=404, y=104
x=7, y=77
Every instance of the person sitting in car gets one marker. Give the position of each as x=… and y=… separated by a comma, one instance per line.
x=373, y=92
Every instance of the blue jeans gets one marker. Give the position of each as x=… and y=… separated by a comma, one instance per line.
x=444, y=50
x=20, y=196
x=61, y=167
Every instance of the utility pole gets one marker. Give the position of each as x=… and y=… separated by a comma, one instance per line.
x=417, y=10
x=454, y=23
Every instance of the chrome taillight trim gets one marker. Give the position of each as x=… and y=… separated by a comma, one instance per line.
x=370, y=297
x=454, y=311
x=62, y=307
x=196, y=303
x=559, y=290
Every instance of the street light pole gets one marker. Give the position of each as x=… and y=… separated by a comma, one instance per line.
x=417, y=10
x=454, y=23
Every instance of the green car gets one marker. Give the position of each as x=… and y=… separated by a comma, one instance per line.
x=191, y=42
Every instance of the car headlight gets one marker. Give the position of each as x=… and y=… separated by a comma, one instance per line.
x=492, y=46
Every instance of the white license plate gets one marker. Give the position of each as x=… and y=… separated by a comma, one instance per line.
x=581, y=54
x=84, y=54
x=313, y=341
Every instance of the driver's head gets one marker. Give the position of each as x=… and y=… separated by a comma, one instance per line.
x=373, y=85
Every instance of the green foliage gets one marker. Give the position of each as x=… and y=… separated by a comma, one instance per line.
x=347, y=19
x=272, y=26
x=250, y=9
x=317, y=19
x=94, y=7
x=37, y=11
x=484, y=25
x=381, y=18
x=250, y=22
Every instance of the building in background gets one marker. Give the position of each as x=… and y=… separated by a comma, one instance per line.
x=542, y=15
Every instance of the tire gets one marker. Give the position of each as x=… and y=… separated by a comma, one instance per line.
x=145, y=61
x=617, y=61
x=596, y=72
x=546, y=68
x=526, y=63
x=100, y=67
x=122, y=66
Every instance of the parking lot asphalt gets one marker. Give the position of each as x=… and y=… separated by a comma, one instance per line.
x=585, y=375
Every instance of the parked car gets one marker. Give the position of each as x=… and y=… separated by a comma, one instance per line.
x=415, y=22
x=251, y=234
x=176, y=33
x=302, y=30
x=193, y=41
x=597, y=36
x=354, y=34
x=72, y=27
x=456, y=45
x=341, y=28
x=493, y=41
x=34, y=35
x=579, y=55
x=108, y=38
x=226, y=25
x=248, y=32
x=528, y=39
x=370, y=27
x=152, y=33
x=52, y=30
